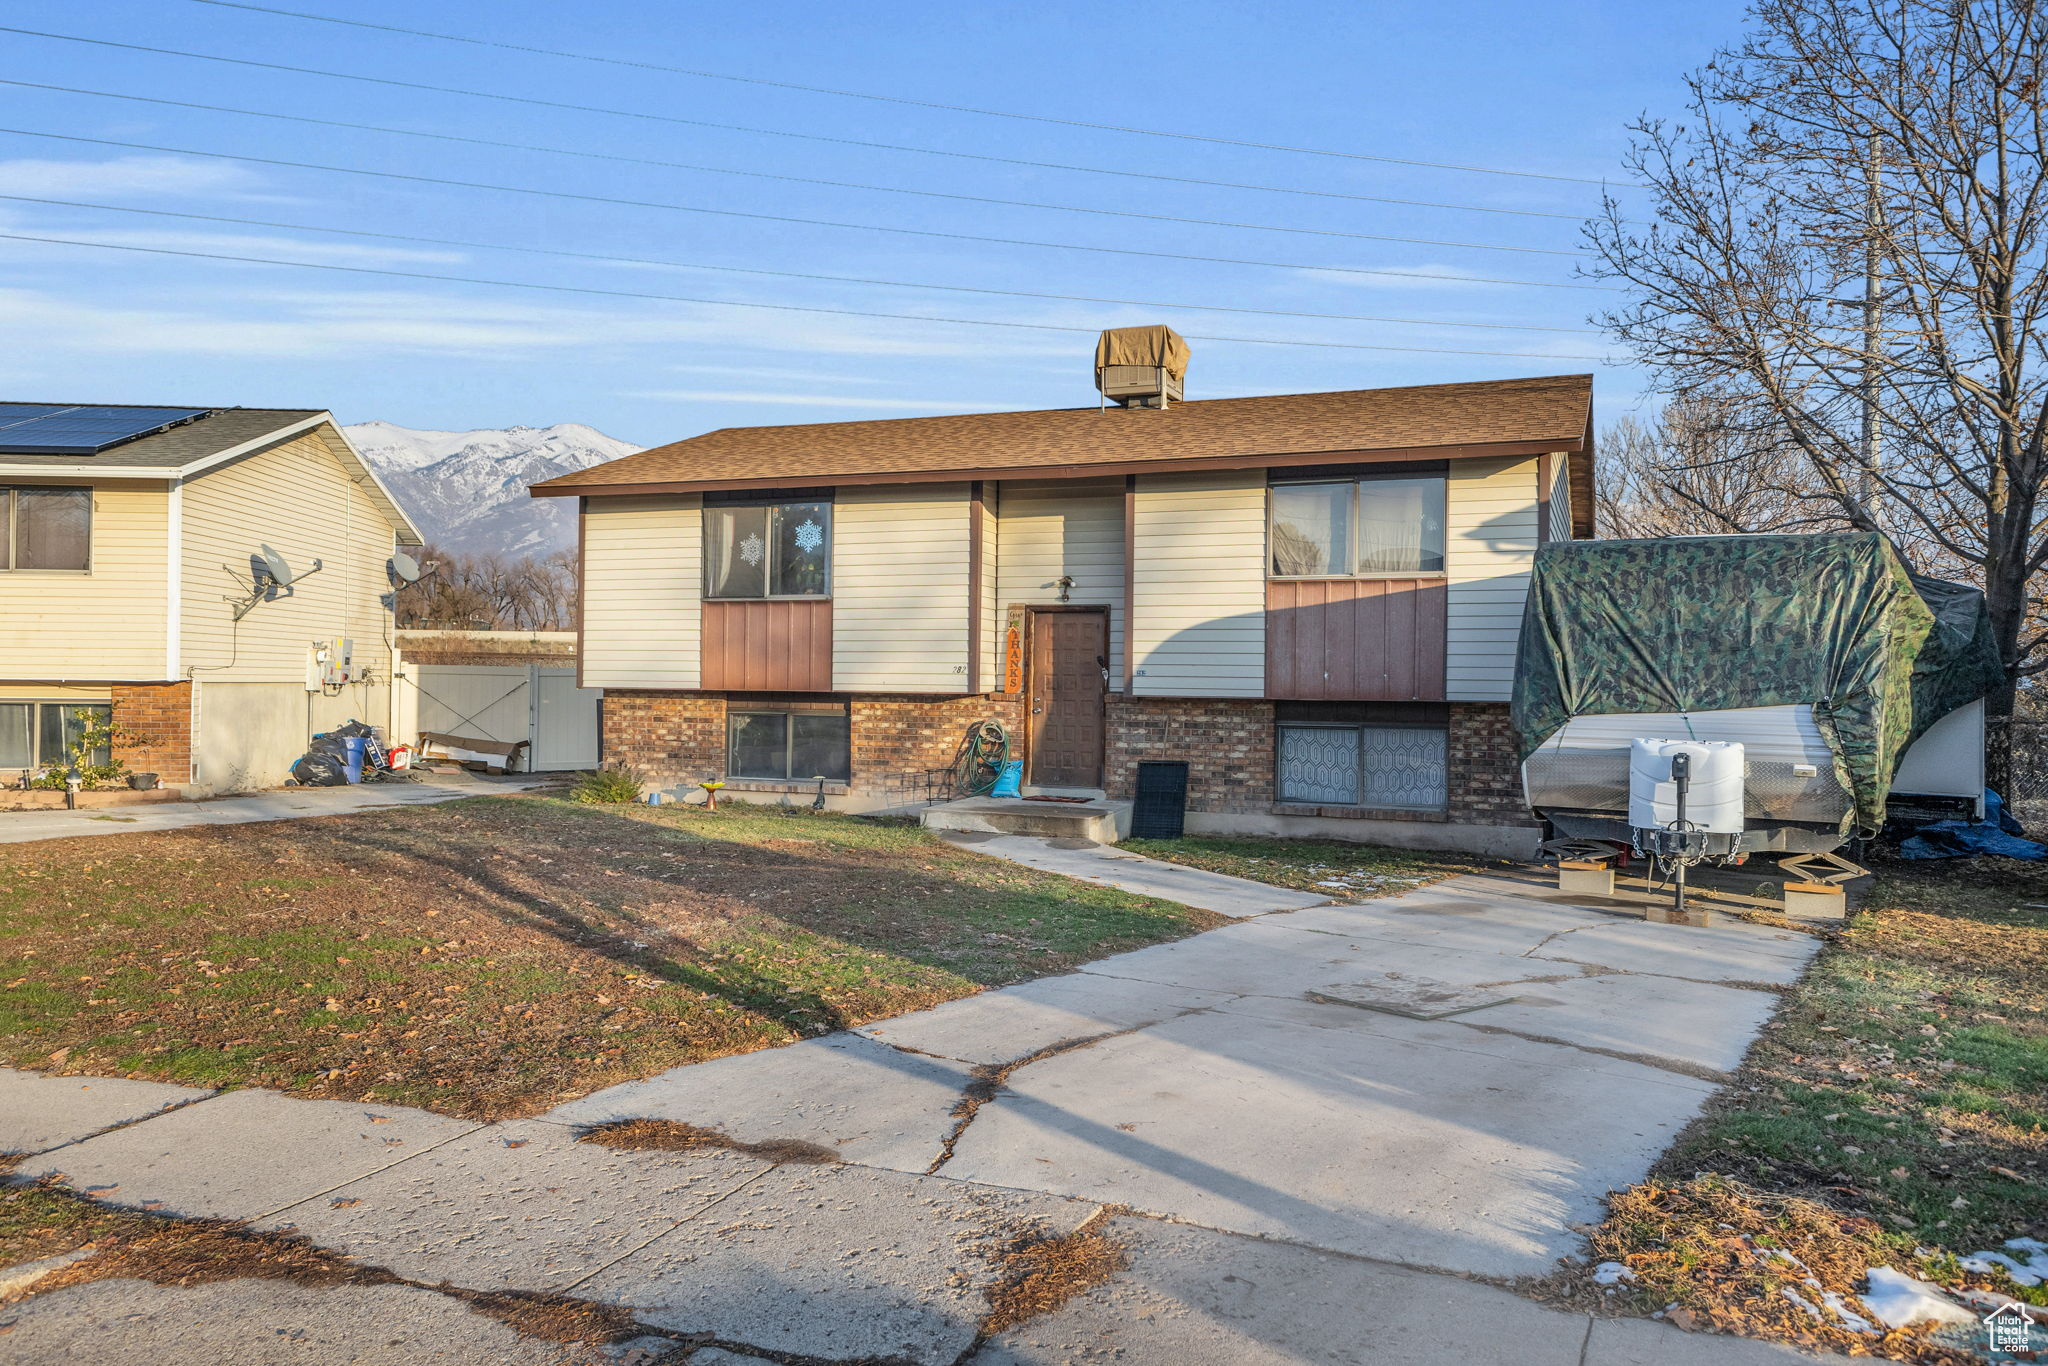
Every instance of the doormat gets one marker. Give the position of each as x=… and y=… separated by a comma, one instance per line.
x=1083, y=800
x=1417, y=998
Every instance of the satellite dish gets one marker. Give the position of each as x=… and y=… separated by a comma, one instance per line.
x=402, y=569
x=275, y=564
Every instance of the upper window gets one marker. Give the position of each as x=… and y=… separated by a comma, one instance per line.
x=45, y=528
x=771, y=550
x=1367, y=525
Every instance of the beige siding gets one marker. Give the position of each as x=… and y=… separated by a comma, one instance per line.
x=899, y=589
x=1071, y=527
x=643, y=577
x=299, y=497
x=1199, y=593
x=1560, y=528
x=1491, y=513
x=991, y=605
x=109, y=623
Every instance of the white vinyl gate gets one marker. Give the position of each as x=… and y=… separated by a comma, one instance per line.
x=507, y=702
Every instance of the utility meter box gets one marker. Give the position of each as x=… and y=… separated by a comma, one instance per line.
x=331, y=664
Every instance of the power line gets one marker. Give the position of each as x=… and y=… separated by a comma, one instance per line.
x=729, y=303
x=759, y=217
x=770, y=175
x=763, y=132
x=899, y=99
x=784, y=274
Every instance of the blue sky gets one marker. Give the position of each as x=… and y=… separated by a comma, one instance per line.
x=1522, y=86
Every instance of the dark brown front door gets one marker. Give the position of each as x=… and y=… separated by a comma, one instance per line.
x=1069, y=655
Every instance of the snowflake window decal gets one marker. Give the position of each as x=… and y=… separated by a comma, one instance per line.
x=753, y=549
x=809, y=536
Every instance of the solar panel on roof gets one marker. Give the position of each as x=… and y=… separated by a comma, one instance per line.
x=81, y=429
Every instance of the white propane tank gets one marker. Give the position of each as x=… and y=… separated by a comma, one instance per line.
x=1713, y=799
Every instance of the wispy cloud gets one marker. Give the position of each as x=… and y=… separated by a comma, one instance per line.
x=123, y=177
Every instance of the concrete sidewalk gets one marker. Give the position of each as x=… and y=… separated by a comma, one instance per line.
x=283, y=804
x=1301, y=1164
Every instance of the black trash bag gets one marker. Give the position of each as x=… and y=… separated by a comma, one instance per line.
x=328, y=744
x=354, y=730
x=315, y=769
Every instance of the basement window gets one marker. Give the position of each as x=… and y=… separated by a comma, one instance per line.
x=35, y=734
x=768, y=549
x=1385, y=755
x=46, y=528
x=793, y=742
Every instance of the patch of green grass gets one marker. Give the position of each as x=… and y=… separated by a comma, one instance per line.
x=493, y=955
x=1330, y=867
x=1906, y=1078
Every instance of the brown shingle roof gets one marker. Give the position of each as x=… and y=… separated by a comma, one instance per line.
x=1433, y=420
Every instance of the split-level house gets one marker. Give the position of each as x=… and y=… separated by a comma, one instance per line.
x=1311, y=599
x=134, y=586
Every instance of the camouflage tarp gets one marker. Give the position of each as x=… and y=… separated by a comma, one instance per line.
x=1707, y=623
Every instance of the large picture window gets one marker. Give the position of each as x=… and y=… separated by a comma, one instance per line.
x=1383, y=755
x=1371, y=524
x=792, y=743
x=46, y=528
x=768, y=550
x=34, y=734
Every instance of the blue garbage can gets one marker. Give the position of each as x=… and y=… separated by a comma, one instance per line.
x=353, y=749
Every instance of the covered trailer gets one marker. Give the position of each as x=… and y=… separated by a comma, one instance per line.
x=1851, y=683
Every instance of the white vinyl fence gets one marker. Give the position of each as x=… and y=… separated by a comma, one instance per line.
x=539, y=704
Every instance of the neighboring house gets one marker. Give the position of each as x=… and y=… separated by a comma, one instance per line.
x=126, y=544
x=1312, y=599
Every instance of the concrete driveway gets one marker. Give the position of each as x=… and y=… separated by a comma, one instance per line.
x=1297, y=1125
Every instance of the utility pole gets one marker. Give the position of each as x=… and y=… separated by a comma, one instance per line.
x=1873, y=336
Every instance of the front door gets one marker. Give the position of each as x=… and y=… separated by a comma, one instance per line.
x=1069, y=675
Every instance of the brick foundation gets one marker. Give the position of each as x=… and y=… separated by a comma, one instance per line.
x=900, y=744
x=1485, y=776
x=1227, y=744
x=903, y=745
x=153, y=729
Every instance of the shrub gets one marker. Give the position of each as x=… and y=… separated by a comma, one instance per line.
x=98, y=734
x=612, y=783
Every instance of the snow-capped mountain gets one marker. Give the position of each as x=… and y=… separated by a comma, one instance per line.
x=467, y=490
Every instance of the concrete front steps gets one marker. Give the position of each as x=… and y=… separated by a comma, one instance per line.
x=1098, y=819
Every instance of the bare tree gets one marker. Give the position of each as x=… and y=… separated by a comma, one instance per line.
x=491, y=593
x=1849, y=235
x=1701, y=468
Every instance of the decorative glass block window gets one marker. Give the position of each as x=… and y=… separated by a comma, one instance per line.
x=34, y=734
x=793, y=742
x=1364, y=525
x=1384, y=755
x=46, y=528
x=768, y=550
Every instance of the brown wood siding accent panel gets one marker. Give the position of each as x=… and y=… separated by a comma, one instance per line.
x=772, y=646
x=1355, y=640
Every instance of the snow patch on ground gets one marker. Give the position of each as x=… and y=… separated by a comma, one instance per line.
x=1898, y=1300
x=2031, y=1271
